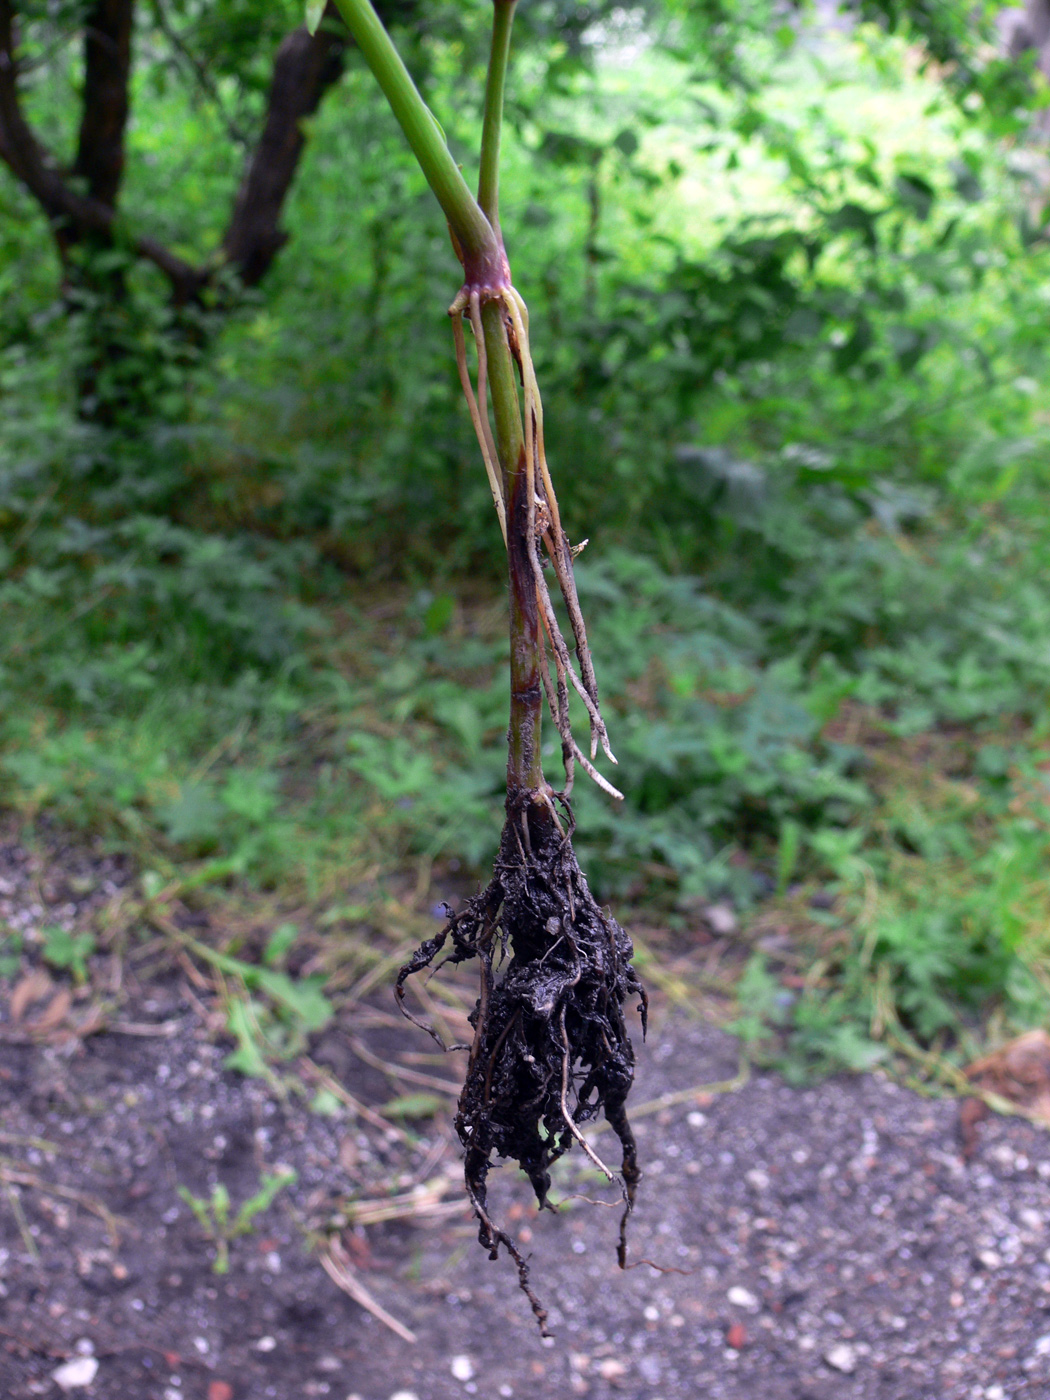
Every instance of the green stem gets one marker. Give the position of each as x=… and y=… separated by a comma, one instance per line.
x=524, y=765
x=488, y=178
x=475, y=227
x=482, y=253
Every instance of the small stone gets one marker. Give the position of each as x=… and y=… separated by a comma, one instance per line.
x=989, y=1259
x=651, y=1314
x=329, y=1363
x=404, y=1395
x=1042, y=1346
x=743, y=1298
x=85, y=1347
x=220, y=1390
x=995, y=1392
x=696, y=1120
x=736, y=1336
x=201, y=1343
x=649, y=1367
x=720, y=919
x=462, y=1368
x=266, y=1344
x=76, y=1374
x=757, y=1178
x=611, y=1370
x=841, y=1357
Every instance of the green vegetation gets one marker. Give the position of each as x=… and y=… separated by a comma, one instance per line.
x=789, y=302
x=213, y=1213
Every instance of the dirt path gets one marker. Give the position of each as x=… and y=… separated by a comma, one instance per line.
x=833, y=1236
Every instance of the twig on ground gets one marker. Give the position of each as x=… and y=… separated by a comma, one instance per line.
x=336, y=1263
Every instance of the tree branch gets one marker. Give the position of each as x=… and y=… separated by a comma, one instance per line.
x=199, y=72
x=107, y=68
x=305, y=67
x=70, y=214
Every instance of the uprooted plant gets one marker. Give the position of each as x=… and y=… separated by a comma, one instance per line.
x=550, y=1048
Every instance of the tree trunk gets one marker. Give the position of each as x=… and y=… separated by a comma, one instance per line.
x=117, y=379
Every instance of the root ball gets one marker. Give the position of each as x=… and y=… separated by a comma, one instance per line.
x=551, y=1049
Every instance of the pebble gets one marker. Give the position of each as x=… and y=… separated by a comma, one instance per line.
x=721, y=920
x=649, y=1368
x=611, y=1370
x=76, y=1374
x=266, y=1344
x=462, y=1368
x=743, y=1298
x=404, y=1395
x=841, y=1357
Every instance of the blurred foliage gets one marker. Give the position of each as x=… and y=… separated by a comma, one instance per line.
x=789, y=290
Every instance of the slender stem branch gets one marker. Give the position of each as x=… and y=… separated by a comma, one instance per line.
x=488, y=178
x=503, y=386
x=524, y=765
x=472, y=229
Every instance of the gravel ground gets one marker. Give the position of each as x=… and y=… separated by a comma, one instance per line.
x=817, y=1243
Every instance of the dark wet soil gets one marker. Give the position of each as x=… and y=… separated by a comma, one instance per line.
x=831, y=1242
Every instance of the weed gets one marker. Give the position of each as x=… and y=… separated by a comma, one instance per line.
x=64, y=950
x=213, y=1213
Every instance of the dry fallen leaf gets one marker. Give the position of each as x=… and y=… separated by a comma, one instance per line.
x=1018, y=1071
x=56, y=1011
x=32, y=987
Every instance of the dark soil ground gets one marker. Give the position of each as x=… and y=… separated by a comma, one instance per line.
x=820, y=1243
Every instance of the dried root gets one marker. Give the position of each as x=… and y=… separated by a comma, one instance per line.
x=551, y=1049
x=543, y=526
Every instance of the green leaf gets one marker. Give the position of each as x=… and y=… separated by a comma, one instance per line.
x=413, y=1106
x=314, y=11
x=68, y=950
x=279, y=943
x=248, y=1057
x=439, y=614
x=194, y=818
x=304, y=999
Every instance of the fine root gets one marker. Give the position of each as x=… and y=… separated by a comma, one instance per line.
x=550, y=1049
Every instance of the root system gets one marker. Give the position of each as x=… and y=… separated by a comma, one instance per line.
x=550, y=1049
